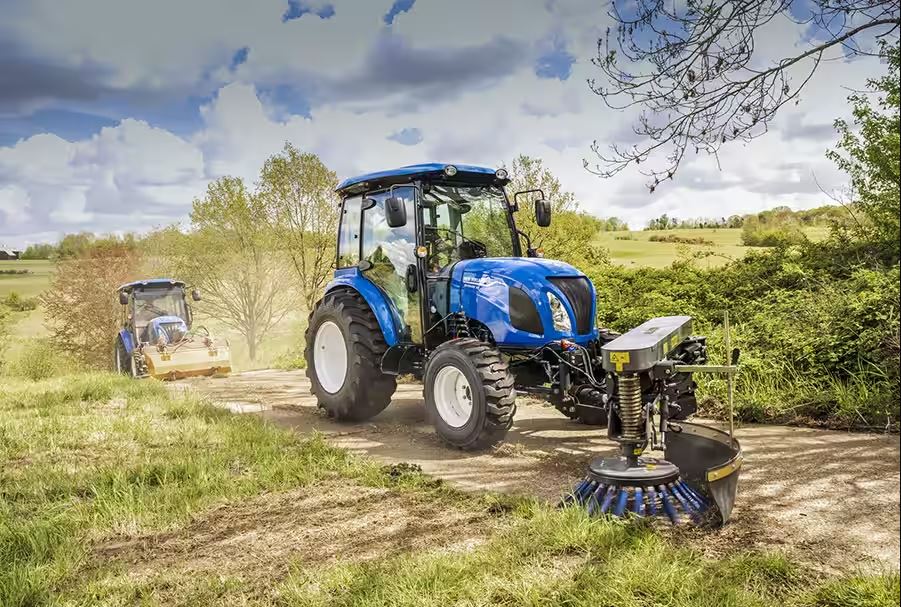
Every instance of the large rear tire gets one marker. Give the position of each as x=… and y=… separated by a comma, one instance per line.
x=469, y=395
x=344, y=349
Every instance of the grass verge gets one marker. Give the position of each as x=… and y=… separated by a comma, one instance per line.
x=89, y=458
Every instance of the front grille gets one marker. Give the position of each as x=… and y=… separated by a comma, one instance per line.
x=578, y=291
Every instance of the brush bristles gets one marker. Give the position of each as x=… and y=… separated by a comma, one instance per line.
x=667, y=499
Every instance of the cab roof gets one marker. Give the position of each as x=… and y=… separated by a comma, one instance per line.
x=151, y=282
x=370, y=181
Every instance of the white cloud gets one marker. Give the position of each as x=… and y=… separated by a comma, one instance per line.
x=135, y=175
x=14, y=203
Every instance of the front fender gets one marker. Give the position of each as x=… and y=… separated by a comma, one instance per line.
x=127, y=341
x=385, y=313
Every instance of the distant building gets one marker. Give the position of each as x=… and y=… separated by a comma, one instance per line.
x=9, y=255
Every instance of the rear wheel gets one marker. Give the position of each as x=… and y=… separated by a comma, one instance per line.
x=344, y=349
x=469, y=394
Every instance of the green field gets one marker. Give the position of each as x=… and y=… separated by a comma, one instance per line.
x=635, y=250
x=27, y=285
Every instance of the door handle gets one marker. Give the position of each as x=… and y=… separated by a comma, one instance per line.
x=411, y=279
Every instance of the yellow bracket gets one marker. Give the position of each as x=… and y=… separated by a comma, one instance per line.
x=723, y=471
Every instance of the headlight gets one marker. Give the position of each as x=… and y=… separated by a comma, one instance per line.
x=562, y=323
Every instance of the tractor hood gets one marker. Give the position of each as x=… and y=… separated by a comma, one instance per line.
x=510, y=295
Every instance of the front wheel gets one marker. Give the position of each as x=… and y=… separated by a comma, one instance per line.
x=123, y=361
x=469, y=394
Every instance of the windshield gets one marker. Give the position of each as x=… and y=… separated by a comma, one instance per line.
x=151, y=303
x=463, y=222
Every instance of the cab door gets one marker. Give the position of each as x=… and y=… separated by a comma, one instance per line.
x=390, y=262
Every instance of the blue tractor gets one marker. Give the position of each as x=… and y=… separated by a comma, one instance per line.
x=435, y=280
x=157, y=336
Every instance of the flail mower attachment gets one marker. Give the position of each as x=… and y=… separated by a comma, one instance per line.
x=697, y=479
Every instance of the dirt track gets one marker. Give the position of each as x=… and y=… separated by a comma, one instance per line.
x=829, y=498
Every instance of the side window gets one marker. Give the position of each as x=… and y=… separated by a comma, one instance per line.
x=391, y=251
x=349, y=239
x=382, y=244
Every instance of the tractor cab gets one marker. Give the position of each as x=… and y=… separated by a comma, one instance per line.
x=157, y=336
x=436, y=241
x=156, y=309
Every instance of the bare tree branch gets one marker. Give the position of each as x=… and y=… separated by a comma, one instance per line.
x=693, y=71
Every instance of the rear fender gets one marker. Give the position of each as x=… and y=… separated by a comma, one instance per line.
x=385, y=312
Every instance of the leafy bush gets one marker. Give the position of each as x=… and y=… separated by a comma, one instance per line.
x=81, y=306
x=38, y=360
x=681, y=239
x=290, y=360
x=819, y=335
x=756, y=234
x=17, y=303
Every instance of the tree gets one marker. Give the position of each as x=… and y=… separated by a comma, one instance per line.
x=74, y=245
x=230, y=255
x=81, y=309
x=298, y=191
x=570, y=235
x=39, y=251
x=692, y=70
x=869, y=153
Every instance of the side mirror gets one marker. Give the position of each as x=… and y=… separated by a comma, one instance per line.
x=395, y=212
x=195, y=295
x=543, y=212
x=123, y=298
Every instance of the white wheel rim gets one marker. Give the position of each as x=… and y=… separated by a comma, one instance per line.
x=453, y=397
x=330, y=357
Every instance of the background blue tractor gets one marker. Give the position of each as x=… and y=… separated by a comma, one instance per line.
x=435, y=280
x=157, y=337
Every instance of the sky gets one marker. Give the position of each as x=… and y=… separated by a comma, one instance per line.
x=115, y=115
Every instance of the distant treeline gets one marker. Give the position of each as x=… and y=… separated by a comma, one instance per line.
x=73, y=246
x=820, y=216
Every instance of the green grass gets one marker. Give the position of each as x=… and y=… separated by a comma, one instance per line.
x=92, y=457
x=640, y=252
x=27, y=285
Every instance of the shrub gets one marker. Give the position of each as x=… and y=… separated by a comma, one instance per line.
x=293, y=359
x=81, y=306
x=819, y=334
x=681, y=239
x=759, y=234
x=38, y=360
x=17, y=303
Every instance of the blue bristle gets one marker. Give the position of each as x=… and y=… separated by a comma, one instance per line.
x=593, y=500
x=621, y=502
x=691, y=496
x=700, y=499
x=667, y=504
x=652, y=501
x=686, y=505
x=638, y=505
x=608, y=498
